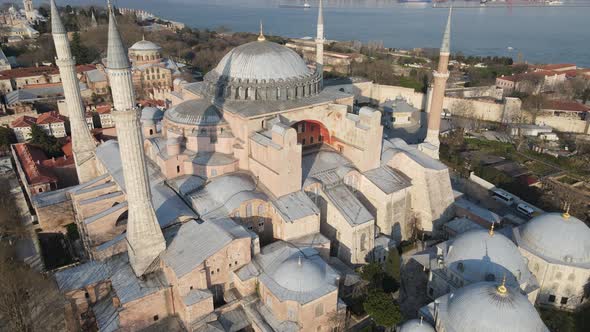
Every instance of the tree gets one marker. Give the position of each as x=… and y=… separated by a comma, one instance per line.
x=49, y=144
x=393, y=264
x=6, y=138
x=373, y=273
x=533, y=104
x=81, y=52
x=29, y=300
x=382, y=309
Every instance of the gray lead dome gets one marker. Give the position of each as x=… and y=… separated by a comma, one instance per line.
x=262, y=70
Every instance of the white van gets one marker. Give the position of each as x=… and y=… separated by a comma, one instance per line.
x=525, y=209
x=502, y=196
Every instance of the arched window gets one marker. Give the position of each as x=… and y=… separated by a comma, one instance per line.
x=460, y=267
x=249, y=210
x=261, y=210
x=363, y=242
x=151, y=131
x=490, y=277
x=178, y=169
x=122, y=220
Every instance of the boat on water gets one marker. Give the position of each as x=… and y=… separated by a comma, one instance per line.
x=414, y=1
x=305, y=5
x=554, y=3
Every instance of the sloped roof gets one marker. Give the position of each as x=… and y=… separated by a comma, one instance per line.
x=388, y=179
x=295, y=206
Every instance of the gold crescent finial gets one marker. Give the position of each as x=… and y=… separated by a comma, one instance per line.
x=492, y=230
x=566, y=214
x=261, y=36
x=502, y=288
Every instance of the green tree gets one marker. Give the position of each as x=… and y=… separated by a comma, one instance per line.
x=382, y=309
x=81, y=52
x=6, y=138
x=49, y=144
x=393, y=265
x=373, y=273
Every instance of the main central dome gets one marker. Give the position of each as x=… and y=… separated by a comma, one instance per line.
x=262, y=70
x=262, y=60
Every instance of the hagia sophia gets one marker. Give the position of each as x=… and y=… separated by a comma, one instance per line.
x=243, y=205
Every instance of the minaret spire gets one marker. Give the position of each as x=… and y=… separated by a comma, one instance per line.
x=145, y=241
x=83, y=144
x=320, y=39
x=438, y=93
x=261, y=35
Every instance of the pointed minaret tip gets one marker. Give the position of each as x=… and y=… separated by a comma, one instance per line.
x=446, y=43
x=261, y=35
x=321, y=13
x=56, y=24
x=117, y=57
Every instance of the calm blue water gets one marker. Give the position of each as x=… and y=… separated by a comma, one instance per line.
x=542, y=34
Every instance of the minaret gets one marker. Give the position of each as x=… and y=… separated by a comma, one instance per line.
x=29, y=10
x=93, y=22
x=438, y=93
x=83, y=144
x=319, y=41
x=145, y=241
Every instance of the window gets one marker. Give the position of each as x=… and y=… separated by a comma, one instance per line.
x=460, y=267
x=303, y=141
x=236, y=262
x=249, y=210
x=551, y=298
x=177, y=169
x=156, y=317
x=303, y=127
x=363, y=242
x=490, y=277
x=312, y=127
x=191, y=287
x=151, y=131
x=213, y=172
x=261, y=210
x=86, y=295
x=564, y=300
x=311, y=140
x=212, y=272
x=319, y=310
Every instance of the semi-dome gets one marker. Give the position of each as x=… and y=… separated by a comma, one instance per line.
x=198, y=112
x=151, y=114
x=416, y=325
x=487, y=307
x=262, y=60
x=557, y=237
x=262, y=70
x=145, y=45
x=480, y=256
x=299, y=274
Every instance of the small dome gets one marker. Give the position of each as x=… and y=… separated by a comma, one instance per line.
x=151, y=114
x=416, y=325
x=194, y=112
x=479, y=256
x=145, y=45
x=483, y=307
x=300, y=274
x=556, y=237
x=262, y=60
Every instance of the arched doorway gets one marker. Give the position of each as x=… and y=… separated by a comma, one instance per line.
x=312, y=133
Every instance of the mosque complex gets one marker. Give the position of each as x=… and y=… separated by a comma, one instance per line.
x=242, y=206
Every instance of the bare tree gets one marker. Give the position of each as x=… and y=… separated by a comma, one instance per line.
x=338, y=320
x=533, y=105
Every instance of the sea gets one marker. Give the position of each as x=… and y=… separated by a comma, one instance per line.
x=543, y=34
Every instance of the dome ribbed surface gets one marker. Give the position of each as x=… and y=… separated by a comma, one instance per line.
x=300, y=275
x=415, y=325
x=564, y=239
x=481, y=308
x=262, y=60
x=475, y=255
x=145, y=45
x=194, y=112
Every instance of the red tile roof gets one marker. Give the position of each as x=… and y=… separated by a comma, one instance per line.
x=29, y=71
x=104, y=109
x=31, y=159
x=85, y=68
x=565, y=105
x=554, y=66
x=152, y=103
x=524, y=76
x=50, y=117
x=23, y=121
